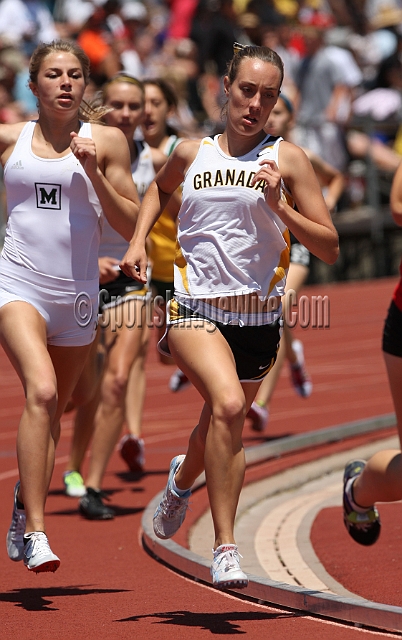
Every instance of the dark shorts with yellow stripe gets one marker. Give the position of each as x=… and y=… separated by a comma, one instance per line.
x=254, y=347
x=120, y=290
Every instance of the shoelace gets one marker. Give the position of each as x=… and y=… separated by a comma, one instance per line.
x=17, y=527
x=40, y=545
x=231, y=558
x=173, y=506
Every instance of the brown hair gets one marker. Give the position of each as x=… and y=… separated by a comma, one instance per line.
x=165, y=88
x=64, y=46
x=252, y=51
x=87, y=112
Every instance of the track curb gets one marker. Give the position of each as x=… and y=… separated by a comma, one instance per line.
x=359, y=611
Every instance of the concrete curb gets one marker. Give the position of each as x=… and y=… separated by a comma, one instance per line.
x=267, y=591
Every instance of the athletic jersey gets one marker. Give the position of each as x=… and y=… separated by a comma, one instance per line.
x=171, y=144
x=54, y=214
x=113, y=244
x=229, y=241
x=163, y=247
x=163, y=234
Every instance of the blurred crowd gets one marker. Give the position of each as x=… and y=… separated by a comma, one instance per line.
x=343, y=64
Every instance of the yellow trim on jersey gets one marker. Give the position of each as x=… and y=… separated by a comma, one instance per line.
x=181, y=264
x=174, y=311
x=284, y=261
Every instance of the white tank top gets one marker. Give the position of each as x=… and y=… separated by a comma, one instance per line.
x=229, y=241
x=54, y=215
x=113, y=244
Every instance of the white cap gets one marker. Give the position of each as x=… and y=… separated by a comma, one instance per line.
x=133, y=11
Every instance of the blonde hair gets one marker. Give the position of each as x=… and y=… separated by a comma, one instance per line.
x=125, y=78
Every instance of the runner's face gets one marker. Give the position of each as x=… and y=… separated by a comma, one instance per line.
x=127, y=101
x=60, y=84
x=156, y=112
x=252, y=95
x=279, y=120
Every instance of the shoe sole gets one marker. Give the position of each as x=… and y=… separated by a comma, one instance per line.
x=75, y=494
x=231, y=584
x=46, y=567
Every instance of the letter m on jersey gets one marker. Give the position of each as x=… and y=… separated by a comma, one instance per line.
x=48, y=196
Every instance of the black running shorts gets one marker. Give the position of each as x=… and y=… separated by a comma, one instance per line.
x=392, y=334
x=254, y=347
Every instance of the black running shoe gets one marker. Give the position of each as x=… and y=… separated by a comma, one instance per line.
x=364, y=527
x=92, y=507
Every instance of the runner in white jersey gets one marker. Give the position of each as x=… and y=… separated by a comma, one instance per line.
x=231, y=264
x=125, y=308
x=61, y=176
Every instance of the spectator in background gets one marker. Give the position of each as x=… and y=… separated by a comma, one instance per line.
x=266, y=12
x=181, y=18
x=322, y=95
x=381, y=106
x=177, y=64
x=135, y=18
x=26, y=23
x=71, y=15
x=95, y=38
x=214, y=30
x=278, y=38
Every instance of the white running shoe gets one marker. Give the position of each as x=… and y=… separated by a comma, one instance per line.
x=178, y=381
x=170, y=513
x=259, y=417
x=15, y=534
x=38, y=556
x=225, y=569
x=300, y=378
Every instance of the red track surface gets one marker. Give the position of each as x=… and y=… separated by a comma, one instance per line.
x=107, y=585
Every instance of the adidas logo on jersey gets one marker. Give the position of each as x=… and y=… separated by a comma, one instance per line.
x=17, y=165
